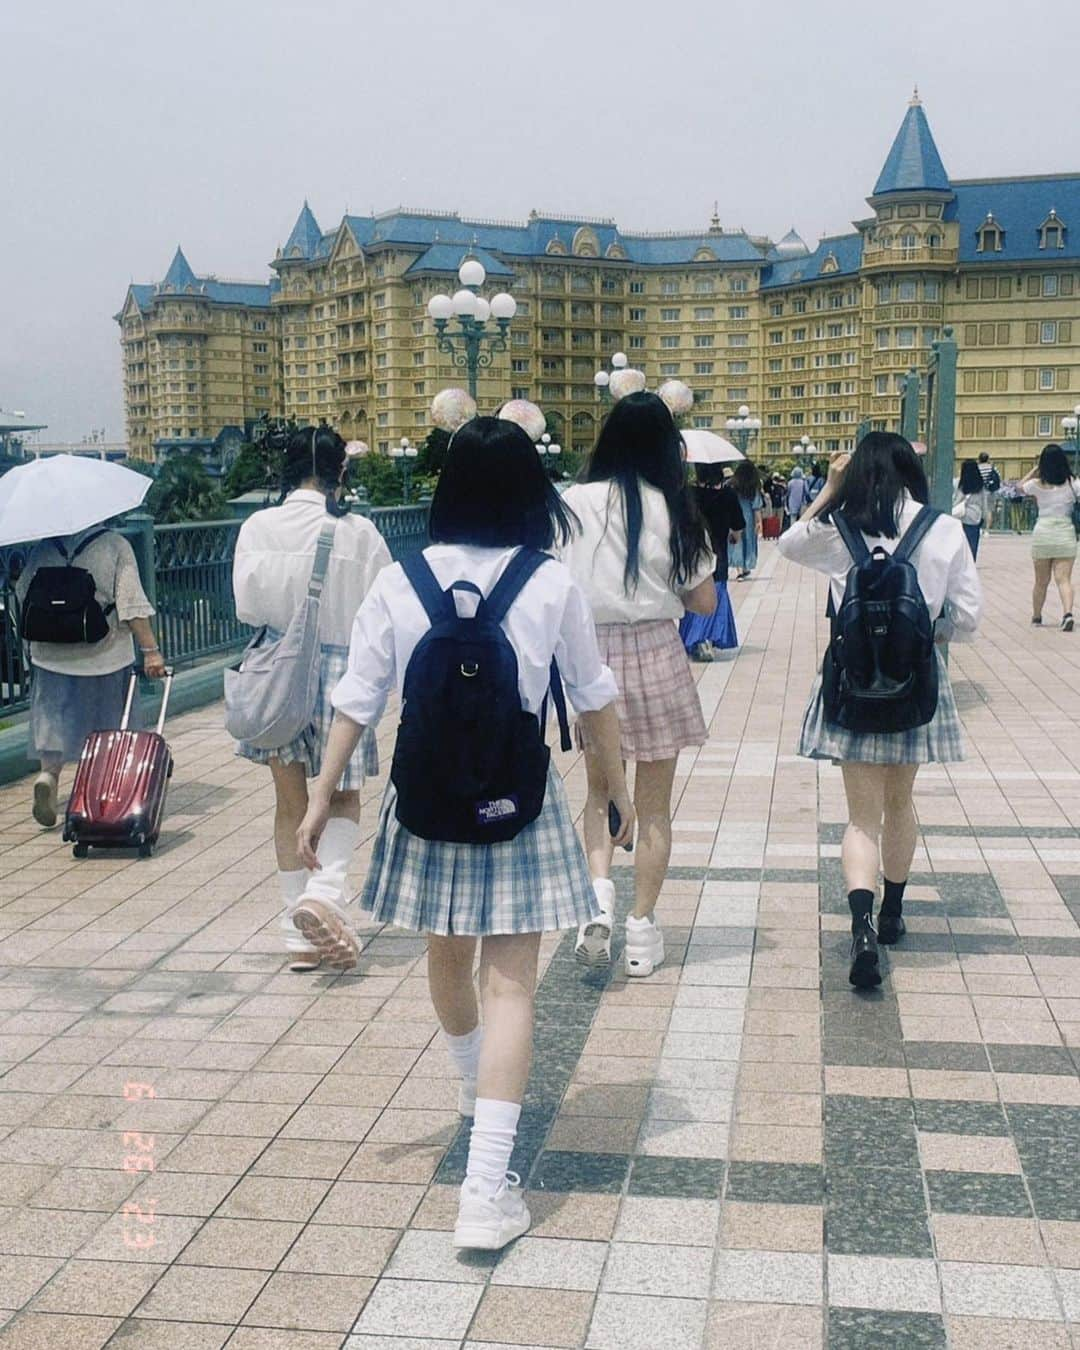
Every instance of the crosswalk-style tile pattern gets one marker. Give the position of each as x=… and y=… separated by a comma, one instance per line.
x=199, y=1149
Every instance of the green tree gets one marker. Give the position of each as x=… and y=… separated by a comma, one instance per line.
x=184, y=491
x=250, y=470
x=380, y=477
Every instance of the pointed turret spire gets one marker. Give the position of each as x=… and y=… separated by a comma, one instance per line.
x=913, y=161
x=180, y=277
x=306, y=236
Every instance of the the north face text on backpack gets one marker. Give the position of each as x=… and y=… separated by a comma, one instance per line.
x=493, y=812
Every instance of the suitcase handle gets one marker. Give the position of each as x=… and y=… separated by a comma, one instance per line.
x=133, y=684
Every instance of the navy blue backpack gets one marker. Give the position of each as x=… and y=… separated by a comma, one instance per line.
x=470, y=763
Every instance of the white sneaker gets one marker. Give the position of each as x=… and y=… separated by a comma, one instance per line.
x=466, y=1102
x=593, y=946
x=644, y=947
x=488, y=1222
x=45, y=799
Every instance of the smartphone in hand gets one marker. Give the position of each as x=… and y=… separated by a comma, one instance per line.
x=614, y=824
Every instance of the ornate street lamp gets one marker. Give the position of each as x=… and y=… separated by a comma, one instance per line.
x=1071, y=426
x=743, y=428
x=475, y=344
x=804, y=447
x=602, y=378
x=405, y=457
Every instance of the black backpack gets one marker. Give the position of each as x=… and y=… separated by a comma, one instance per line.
x=993, y=481
x=470, y=764
x=61, y=604
x=880, y=670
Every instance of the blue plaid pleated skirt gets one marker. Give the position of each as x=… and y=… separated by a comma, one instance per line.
x=537, y=882
x=940, y=741
x=308, y=747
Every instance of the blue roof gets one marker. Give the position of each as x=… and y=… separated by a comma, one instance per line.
x=1019, y=206
x=306, y=237
x=913, y=161
x=449, y=257
x=845, y=248
x=180, y=277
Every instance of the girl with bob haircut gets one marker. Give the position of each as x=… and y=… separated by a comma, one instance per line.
x=1053, y=541
x=881, y=489
x=971, y=506
x=642, y=557
x=275, y=550
x=493, y=497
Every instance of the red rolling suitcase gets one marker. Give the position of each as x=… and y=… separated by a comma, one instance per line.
x=118, y=797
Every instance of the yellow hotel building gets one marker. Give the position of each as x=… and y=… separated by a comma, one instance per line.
x=816, y=341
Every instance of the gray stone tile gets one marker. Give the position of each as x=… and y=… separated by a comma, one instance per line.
x=871, y=1212
x=864, y=1131
x=768, y=1277
x=977, y=1193
x=689, y=1178
x=628, y=1322
x=776, y=1183
x=418, y=1308
x=641, y=1268
x=599, y=1172
x=861, y=1051
x=1024, y=1292
x=885, y=1283
x=943, y=1117
x=956, y=1056
x=858, y=1329
x=552, y=1263
x=1054, y=1059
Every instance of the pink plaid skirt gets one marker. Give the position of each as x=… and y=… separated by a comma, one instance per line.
x=659, y=708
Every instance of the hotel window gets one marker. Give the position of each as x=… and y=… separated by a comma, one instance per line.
x=1046, y=379
x=773, y=420
x=798, y=307
x=260, y=347
x=259, y=370
x=380, y=359
x=881, y=384
x=849, y=358
x=703, y=395
x=704, y=313
x=418, y=328
x=418, y=358
x=637, y=315
x=833, y=359
x=738, y=367
x=738, y=393
x=669, y=288
x=703, y=422
x=989, y=236
x=1052, y=232
x=798, y=391
x=797, y=419
x=884, y=292
x=383, y=419
x=703, y=367
x=259, y=325
x=520, y=339
x=775, y=391
x=882, y=339
x=776, y=337
x=382, y=389
x=637, y=288
x=931, y=289
x=669, y=316
x=833, y=387
x=906, y=290
x=1046, y=426
x=739, y=284
x=519, y=391
x=929, y=336
x=798, y=335
x=835, y=330
x=672, y=341
x=519, y=366
x=419, y=387
x=798, y=363
x=776, y=308
x=636, y=342
x=1048, y=332
x=703, y=286
x=705, y=339
x=1050, y=285
x=836, y=300
x=776, y=364
x=669, y=367
x=738, y=311
x=379, y=300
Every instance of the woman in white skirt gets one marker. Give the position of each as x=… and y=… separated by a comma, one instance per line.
x=881, y=489
x=493, y=497
x=1053, y=541
x=643, y=559
x=271, y=568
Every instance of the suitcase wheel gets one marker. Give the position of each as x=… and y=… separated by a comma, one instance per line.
x=145, y=846
x=81, y=851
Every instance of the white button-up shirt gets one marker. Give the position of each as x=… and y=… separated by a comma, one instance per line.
x=272, y=565
x=943, y=561
x=550, y=617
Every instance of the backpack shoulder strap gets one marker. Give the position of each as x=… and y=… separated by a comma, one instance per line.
x=522, y=566
x=558, y=697
x=853, y=540
x=437, y=604
x=321, y=562
x=915, y=534
x=90, y=538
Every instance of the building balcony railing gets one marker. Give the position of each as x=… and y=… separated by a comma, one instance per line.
x=888, y=257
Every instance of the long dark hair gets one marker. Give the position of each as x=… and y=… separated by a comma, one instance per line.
x=639, y=440
x=493, y=491
x=319, y=453
x=971, y=480
x=871, y=492
x=746, y=480
x=1054, y=466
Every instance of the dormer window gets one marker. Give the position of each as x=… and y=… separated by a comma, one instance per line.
x=990, y=235
x=1052, y=232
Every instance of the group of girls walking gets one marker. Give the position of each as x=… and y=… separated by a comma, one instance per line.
x=628, y=554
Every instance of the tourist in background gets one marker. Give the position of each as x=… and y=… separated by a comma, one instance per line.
x=704, y=634
x=77, y=688
x=971, y=505
x=815, y=481
x=275, y=550
x=493, y=497
x=748, y=488
x=796, y=498
x=881, y=489
x=642, y=557
x=991, y=482
x=1053, y=541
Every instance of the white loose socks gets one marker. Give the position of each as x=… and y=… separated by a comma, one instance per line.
x=465, y=1051
x=335, y=851
x=292, y=885
x=492, y=1142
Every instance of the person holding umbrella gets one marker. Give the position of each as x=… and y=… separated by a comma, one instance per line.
x=80, y=670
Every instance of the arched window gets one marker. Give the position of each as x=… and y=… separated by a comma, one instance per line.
x=990, y=235
x=933, y=239
x=1052, y=232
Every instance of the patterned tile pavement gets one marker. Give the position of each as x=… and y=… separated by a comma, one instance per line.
x=737, y=1153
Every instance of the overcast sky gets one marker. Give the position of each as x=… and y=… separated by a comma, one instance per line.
x=128, y=129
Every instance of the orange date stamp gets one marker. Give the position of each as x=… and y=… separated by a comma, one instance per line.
x=138, y=1227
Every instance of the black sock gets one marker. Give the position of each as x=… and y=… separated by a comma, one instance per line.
x=862, y=906
x=893, y=902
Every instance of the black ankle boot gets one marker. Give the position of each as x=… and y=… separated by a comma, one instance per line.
x=890, y=926
x=865, y=972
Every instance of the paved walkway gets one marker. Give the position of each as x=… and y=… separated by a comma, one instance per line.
x=737, y=1153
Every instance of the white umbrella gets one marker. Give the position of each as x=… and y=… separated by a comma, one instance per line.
x=63, y=494
x=706, y=447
